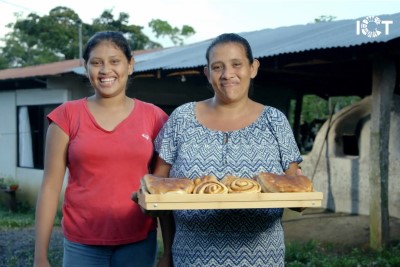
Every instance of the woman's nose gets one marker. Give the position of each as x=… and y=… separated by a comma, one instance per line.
x=105, y=68
x=227, y=72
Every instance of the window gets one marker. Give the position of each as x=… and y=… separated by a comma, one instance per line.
x=32, y=127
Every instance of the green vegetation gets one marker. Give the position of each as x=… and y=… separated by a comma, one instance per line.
x=10, y=220
x=24, y=217
x=314, y=254
x=311, y=253
x=60, y=35
x=315, y=107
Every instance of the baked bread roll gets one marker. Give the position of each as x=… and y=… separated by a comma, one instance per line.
x=209, y=185
x=160, y=185
x=275, y=183
x=241, y=184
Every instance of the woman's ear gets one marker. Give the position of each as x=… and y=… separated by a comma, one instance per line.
x=207, y=73
x=254, y=68
x=131, y=66
x=86, y=70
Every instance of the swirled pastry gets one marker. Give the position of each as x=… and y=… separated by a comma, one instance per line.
x=241, y=184
x=275, y=183
x=160, y=185
x=209, y=185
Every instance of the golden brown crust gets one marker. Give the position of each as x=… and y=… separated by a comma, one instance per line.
x=241, y=184
x=209, y=185
x=275, y=183
x=160, y=185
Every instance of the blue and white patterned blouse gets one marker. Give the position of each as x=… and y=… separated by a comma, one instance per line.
x=231, y=237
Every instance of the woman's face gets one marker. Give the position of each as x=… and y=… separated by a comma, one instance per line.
x=108, y=69
x=229, y=72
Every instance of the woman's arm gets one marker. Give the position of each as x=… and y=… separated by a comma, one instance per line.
x=167, y=222
x=54, y=170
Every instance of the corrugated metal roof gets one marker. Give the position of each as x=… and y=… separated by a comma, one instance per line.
x=265, y=43
x=40, y=70
x=274, y=42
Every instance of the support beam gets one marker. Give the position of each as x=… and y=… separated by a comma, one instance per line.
x=297, y=117
x=383, y=83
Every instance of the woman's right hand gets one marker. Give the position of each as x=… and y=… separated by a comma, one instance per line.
x=165, y=261
x=41, y=263
x=151, y=213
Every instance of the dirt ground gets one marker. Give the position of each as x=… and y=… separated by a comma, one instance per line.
x=339, y=229
x=335, y=228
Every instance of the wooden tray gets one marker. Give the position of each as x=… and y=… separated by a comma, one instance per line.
x=228, y=201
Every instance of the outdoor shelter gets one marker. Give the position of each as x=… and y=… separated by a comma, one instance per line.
x=328, y=59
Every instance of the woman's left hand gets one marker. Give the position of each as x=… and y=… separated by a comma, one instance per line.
x=301, y=209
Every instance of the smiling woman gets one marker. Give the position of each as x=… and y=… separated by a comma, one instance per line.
x=227, y=134
x=99, y=138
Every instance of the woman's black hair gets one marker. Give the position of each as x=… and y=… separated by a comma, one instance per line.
x=230, y=38
x=117, y=38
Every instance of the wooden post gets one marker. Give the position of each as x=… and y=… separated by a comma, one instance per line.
x=383, y=83
x=297, y=118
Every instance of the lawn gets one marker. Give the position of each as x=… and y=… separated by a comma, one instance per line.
x=17, y=243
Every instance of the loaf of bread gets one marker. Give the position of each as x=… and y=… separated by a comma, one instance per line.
x=209, y=185
x=160, y=185
x=275, y=183
x=241, y=184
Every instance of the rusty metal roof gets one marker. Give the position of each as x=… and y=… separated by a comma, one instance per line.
x=40, y=70
x=265, y=43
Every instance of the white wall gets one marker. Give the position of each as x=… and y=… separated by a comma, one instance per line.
x=29, y=179
x=8, y=135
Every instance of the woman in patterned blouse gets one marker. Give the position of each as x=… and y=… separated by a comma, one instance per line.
x=226, y=134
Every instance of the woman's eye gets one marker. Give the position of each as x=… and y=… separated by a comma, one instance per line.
x=216, y=68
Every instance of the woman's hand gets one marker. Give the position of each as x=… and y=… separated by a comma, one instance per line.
x=301, y=209
x=165, y=261
x=41, y=263
x=151, y=213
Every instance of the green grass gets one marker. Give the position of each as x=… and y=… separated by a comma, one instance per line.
x=314, y=254
x=307, y=254
x=21, y=218
x=9, y=220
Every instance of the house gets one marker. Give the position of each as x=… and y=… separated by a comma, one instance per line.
x=340, y=58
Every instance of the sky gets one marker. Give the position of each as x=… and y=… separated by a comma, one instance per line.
x=209, y=18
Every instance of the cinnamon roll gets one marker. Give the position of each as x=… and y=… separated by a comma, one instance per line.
x=241, y=184
x=209, y=185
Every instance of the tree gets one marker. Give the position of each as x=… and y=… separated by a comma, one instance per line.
x=162, y=29
x=324, y=18
x=54, y=37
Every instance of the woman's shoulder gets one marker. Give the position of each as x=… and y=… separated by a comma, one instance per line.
x=272, y=111
x=72, y=104
x=184, y=109
x=144, y=104
x=147, y=106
